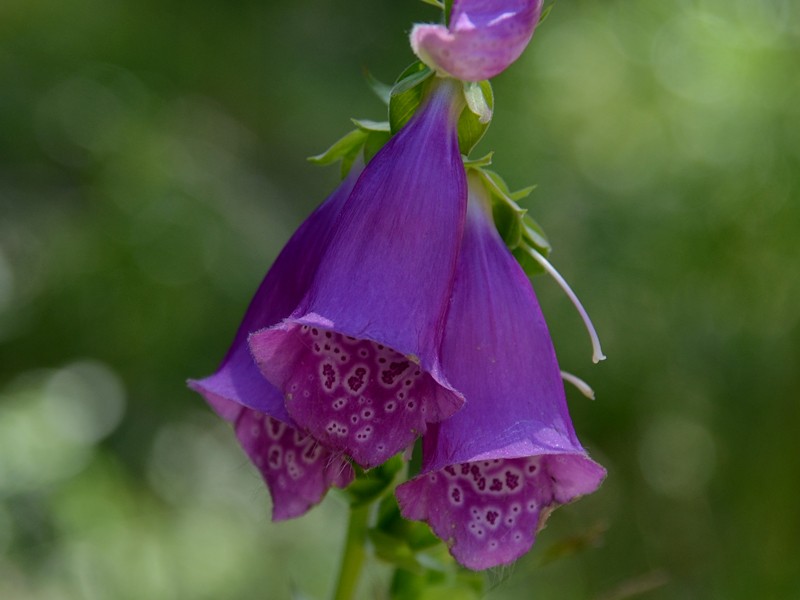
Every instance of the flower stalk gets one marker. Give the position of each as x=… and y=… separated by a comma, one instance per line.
x=353, y=553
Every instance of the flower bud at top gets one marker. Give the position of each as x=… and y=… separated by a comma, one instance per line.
x=483, y=39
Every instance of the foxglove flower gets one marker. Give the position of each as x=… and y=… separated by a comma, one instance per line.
x=492, y=473
x=484, y=37
x=297, y=469
x=358, y=359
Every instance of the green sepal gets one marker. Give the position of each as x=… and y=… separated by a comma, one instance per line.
x=371, y=485
x=407, y=94
x=474, y=122
x=546, y=12
x=416, y=535
x=345, y=149
x=368, y=125
x=436, y=3
x=476, y=163
x=432, y=585
x=508, y=215
x=535, y=236
x=521, y=194
x=378, y=133
x=382, y=90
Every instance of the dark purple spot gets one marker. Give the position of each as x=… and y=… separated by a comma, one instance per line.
x=328, y=334
x=496, y=486
x=274, y=427
x=315, y=331
x=465, y=468
x=330, y=375
x=356, y=381
x=491, y=516
x=395, y=370
x=512, y=481
x=456, y=494
x=531, y=468
x=482, y=483
x=275, y=458
x=450, y=469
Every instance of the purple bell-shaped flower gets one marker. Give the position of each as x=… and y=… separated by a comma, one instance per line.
x=493, y=472
x=358, y=358
x=297, y=469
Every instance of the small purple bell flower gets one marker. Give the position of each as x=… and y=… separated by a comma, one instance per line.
x=492, y=472
x=483, y=39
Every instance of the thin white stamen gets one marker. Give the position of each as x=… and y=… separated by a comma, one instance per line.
x=597, y=352
x=579, y=383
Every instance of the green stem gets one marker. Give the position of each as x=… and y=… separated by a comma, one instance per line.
x=354, y=553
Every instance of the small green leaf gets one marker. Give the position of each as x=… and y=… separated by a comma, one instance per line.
x=477, y=163
x=546, y=12
x=534, y=235
x=371, y=485
x=435, y=586
x=471, y=127
x=394, y=551
x=367, y=125
x=380, y=89
x=407, y=94
x=523, y=193
x=416, y=535
x=350, y=144
x=508, y=222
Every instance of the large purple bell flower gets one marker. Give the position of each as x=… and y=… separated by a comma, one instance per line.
x=358, y=359
x=297, y=469
x=493, y=472
x=483, y=39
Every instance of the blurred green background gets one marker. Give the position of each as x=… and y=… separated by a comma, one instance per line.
x=152, y=164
